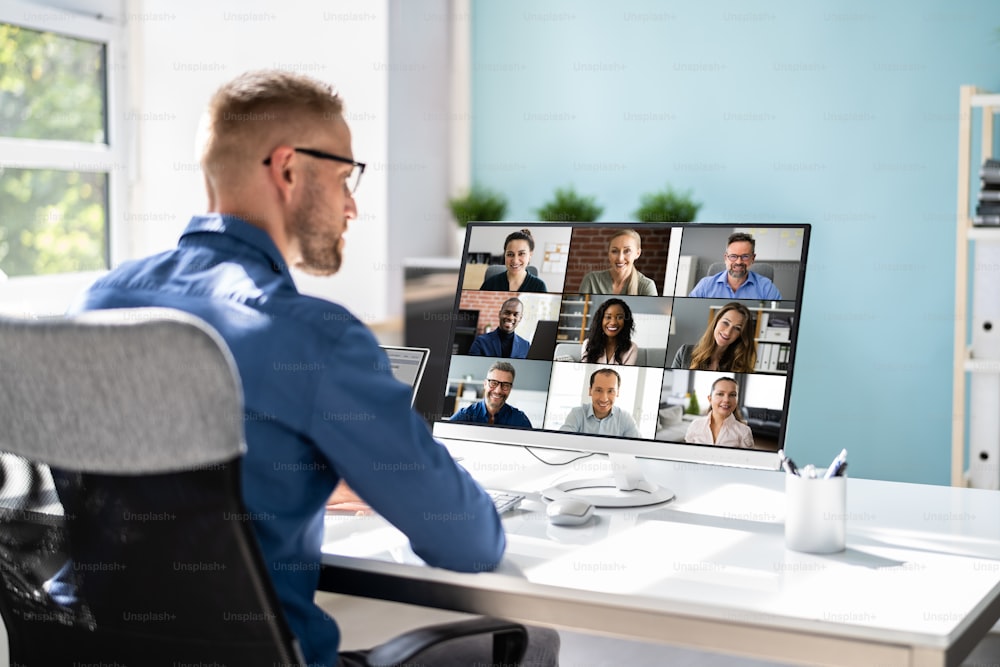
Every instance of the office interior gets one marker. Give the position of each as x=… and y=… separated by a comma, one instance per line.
x=843, y=115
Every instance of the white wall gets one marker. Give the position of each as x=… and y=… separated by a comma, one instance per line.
x=182, y=52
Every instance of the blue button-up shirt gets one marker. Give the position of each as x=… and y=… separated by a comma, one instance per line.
x=321, y=404
x=507, y=415
x=755, y=286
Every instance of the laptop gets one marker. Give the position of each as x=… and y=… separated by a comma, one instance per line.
x=407, y=365
x=543, y=343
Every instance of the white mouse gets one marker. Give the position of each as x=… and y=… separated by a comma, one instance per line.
x=569, y=511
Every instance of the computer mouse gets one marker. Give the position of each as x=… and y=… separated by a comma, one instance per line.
x=569, y=511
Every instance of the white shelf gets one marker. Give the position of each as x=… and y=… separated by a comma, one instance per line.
x=986, y=100
x=972, y=388
x=984, y=233
x=982, y=366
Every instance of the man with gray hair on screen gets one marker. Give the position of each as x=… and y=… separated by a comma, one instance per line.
x=737, y=281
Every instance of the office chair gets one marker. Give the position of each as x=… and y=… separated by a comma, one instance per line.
x=139, y=414
x=761, y=268
x=494, y=269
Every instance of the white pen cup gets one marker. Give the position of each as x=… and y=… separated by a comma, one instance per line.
x=816, y=514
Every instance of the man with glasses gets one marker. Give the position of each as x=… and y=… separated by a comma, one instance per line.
x=321, y=404
x=494, y=409
x=738, y=281
x=502, y=341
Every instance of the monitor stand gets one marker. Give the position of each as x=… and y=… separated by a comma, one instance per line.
x=632, y=489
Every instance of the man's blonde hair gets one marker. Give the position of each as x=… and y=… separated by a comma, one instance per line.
x=259, y=110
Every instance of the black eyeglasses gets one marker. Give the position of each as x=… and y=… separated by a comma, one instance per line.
x=506, y=386
x=353, y=180
x=733, y=258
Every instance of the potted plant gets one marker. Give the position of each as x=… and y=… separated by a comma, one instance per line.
x=479, y=204
x=667, y=205
x=568, y=206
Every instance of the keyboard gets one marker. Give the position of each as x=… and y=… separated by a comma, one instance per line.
x=505, y=500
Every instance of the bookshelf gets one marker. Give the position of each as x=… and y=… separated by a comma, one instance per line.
x=573, y=318
x=977, y=320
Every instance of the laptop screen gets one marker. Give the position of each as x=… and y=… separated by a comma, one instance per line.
x=407, y=365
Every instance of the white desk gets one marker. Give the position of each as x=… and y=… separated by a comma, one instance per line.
x=918, y=585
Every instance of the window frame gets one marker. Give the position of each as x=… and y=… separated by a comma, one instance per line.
x=35, y=294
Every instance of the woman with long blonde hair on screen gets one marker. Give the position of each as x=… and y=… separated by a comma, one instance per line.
x=621, y=277
x=726, y=345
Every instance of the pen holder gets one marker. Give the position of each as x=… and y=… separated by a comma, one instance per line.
x=816, y=514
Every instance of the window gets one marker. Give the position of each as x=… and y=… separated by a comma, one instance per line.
x=61, y=168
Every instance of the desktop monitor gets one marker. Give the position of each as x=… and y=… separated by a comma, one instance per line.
x=652, y=353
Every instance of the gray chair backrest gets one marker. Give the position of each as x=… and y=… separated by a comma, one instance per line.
x=762, y=268
x=567, y=352
x=127, y=390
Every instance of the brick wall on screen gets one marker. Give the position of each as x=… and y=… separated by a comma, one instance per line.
x=589, y=252
x=487, y=303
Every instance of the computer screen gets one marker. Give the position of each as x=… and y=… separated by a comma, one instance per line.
x=664, y=340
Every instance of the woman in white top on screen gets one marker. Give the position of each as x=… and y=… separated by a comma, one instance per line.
x=723, y=425
x=622, y=278
x=609, y=340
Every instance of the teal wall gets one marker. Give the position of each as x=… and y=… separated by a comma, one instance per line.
x=839, y=114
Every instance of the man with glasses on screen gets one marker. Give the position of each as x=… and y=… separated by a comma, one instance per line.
x=321, y=404
x=494, y=409
x=738, y=281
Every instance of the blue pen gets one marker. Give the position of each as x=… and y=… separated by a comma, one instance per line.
x=838, y=463
x=787, y=464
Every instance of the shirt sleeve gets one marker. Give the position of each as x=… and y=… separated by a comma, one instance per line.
x=746, y=437
x=537, y=284
x=647, y=287
x=631, y=430
x=701, y=289
x=630, y=357
x=365, y=427
x=678, y=361
x=477, y=349
x=587, y=285
x=695, y=433
x=573, y=421
x=773, y=294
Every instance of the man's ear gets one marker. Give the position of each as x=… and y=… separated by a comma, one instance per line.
x=283, y=175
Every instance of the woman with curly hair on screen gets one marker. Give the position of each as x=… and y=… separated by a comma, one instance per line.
x=726, y=345
x=609, y=340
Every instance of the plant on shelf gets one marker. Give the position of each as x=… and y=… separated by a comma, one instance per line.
x=568, y=206
x=480, y=204
x=667, y=205
x=693, y=408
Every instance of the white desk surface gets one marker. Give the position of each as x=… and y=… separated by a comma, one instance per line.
x=919, y=583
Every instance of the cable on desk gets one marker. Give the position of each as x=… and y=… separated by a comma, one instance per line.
x=560, y=463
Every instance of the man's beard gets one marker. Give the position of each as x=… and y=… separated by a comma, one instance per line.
x=319, y=244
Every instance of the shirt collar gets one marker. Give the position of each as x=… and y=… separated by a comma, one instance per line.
x=592, y=415
x=239, y=229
